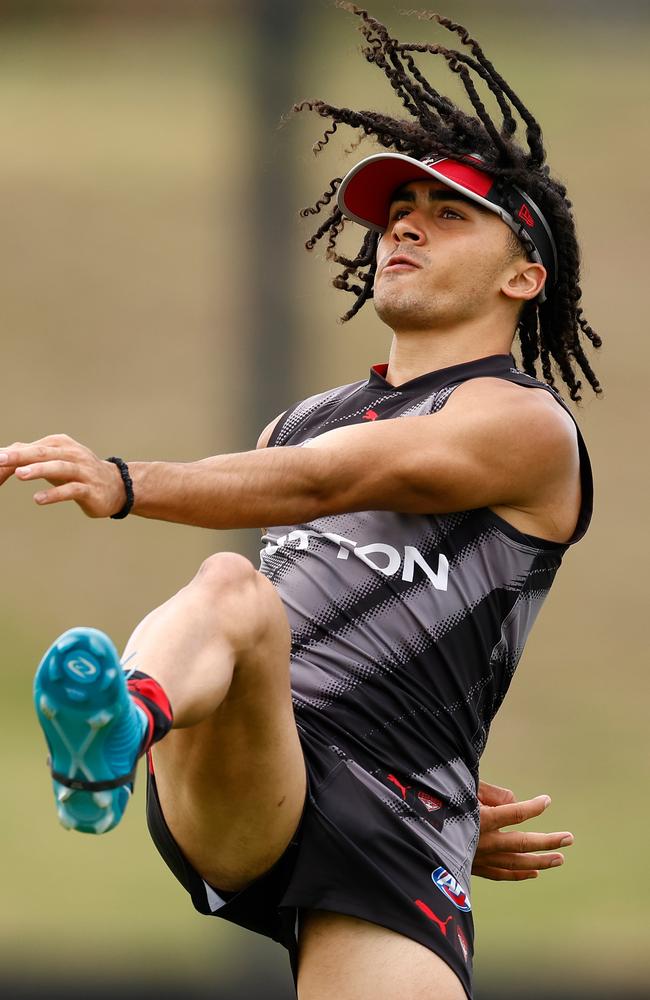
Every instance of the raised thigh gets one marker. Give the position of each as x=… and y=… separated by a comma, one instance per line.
x=344, y=958
x=232, y=786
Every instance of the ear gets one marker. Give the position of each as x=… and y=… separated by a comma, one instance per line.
x=524, y=280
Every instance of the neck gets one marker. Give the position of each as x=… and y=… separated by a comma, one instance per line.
x=416, y=352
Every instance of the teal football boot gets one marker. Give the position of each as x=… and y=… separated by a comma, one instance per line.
x=93, y=729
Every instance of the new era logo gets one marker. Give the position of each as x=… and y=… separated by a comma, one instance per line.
x=524, y=214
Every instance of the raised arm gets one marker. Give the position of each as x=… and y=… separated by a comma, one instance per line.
x=476, y=452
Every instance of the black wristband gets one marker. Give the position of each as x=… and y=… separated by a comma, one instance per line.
x=128, y=486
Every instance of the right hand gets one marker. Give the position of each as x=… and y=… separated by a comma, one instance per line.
x=74, y=472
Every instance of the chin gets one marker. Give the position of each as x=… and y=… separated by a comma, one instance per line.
x=407, y=312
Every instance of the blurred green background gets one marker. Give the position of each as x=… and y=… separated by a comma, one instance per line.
x=138, y=156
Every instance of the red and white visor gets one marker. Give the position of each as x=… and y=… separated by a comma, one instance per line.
x=366, y=192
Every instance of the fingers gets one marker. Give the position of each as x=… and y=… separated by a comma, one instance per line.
x=519, y=842
x=514, y=867
x=493, y=818
x=510, y=855
x=70, y=491
x=523, y=862
x=502, y=874
x=54, y=471
x=19, y=455
x=51, y=440
x=494, y=795
x=74, y=471
x=51, y=458
x=7, y=463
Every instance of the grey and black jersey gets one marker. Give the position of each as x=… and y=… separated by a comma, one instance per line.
x=407, y=628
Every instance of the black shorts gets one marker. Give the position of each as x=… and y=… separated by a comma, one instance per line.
x=350, y=855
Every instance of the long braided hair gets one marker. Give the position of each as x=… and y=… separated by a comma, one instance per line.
x=551, y=332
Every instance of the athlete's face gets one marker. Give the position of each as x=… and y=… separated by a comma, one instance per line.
x=442, y=260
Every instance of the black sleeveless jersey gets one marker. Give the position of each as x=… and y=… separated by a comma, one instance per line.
x=407, y=628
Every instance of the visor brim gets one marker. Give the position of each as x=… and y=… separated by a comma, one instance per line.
x=366, y=191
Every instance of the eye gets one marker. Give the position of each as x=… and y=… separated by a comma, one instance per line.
x=450, y=213
x=398, y=213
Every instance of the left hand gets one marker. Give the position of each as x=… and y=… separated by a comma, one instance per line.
x=511, y=855
x=74, y=471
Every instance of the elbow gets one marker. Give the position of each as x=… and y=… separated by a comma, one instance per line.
x=327, y=489
x=321, y=498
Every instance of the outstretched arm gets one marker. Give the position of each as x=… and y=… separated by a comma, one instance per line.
x=474, y=453
x=514, y=855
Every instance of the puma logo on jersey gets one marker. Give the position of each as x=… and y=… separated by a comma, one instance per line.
x=442, y=924
x=379, y=556
x=403, y=788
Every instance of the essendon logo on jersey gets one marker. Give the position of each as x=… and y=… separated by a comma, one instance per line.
x=430, y=802
x=451, y=888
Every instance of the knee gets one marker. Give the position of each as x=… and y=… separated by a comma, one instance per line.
x=229, y=585
x=229, y=580
x=225, y=572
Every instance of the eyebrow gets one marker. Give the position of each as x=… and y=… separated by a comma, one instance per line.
x=435, y=194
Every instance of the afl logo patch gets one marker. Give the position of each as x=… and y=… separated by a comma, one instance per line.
x=451, y=888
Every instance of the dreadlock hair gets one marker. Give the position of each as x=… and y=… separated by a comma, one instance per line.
x=551, y=332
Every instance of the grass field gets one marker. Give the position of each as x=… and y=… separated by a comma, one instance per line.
x=123, y=285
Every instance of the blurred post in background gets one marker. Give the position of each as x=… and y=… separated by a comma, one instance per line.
x=157, y=303
x=268, y=207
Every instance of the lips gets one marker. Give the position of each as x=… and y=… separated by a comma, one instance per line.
x=400, y=260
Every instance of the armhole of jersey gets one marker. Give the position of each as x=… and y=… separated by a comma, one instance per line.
x=277, y=430
x=586, y=475
x=321, y=399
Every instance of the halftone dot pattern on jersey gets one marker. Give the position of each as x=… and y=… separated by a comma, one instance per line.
x=406, y=629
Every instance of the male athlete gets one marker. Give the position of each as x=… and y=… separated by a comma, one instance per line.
x=314, y=730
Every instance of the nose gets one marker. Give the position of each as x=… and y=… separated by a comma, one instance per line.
x=408, y=230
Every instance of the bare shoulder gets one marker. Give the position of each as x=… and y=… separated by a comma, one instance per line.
x=532, y=446
x=520, y=417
